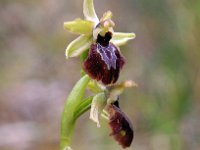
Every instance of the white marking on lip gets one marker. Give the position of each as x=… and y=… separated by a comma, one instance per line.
x=110, y=62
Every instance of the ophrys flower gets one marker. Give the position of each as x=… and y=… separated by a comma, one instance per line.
x=104, y=61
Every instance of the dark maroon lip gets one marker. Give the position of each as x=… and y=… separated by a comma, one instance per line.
x=121, y=127
x=104, y=60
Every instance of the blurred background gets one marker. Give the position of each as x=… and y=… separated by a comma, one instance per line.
x=164, y=60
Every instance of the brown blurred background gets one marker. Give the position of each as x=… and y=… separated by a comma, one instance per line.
x=35, y=77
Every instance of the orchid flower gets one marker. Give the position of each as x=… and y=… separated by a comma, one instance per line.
x=102, y=61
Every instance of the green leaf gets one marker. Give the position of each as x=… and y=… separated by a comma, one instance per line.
x=79, y=26
x=120, y=38
x=76, y=95
x=89, y=11
x=97, y=106
x=68, y=116
x=78, y=46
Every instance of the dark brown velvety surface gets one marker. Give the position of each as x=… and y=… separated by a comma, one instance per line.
x=121, y=127
x=98, y=69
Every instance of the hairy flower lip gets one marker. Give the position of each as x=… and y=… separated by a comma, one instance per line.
x=122, y=129
x=104, y=60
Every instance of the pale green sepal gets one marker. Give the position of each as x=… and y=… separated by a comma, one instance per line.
x=120, y=38
x=79, y=26
x=97, y=106
x=89, y=11
x=79, y=45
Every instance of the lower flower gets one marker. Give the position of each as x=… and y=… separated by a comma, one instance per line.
x=121, y=127
x=106, y=104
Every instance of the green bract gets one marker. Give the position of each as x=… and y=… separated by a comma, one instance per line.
x=88, y=30
x=97, y=106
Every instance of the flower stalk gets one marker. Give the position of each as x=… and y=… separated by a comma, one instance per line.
x=102, y=61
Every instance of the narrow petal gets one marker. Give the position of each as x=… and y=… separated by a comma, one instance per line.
x=97, y=106
x=121, y=127
x=106, y=15
x=79, y=45
x=121, y=38
x=79, y=26
x=117, y=89
x=89, y=11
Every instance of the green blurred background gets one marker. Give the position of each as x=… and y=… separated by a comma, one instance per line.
x=164, y=60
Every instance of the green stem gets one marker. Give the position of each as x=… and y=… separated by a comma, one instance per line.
x=68, y=119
